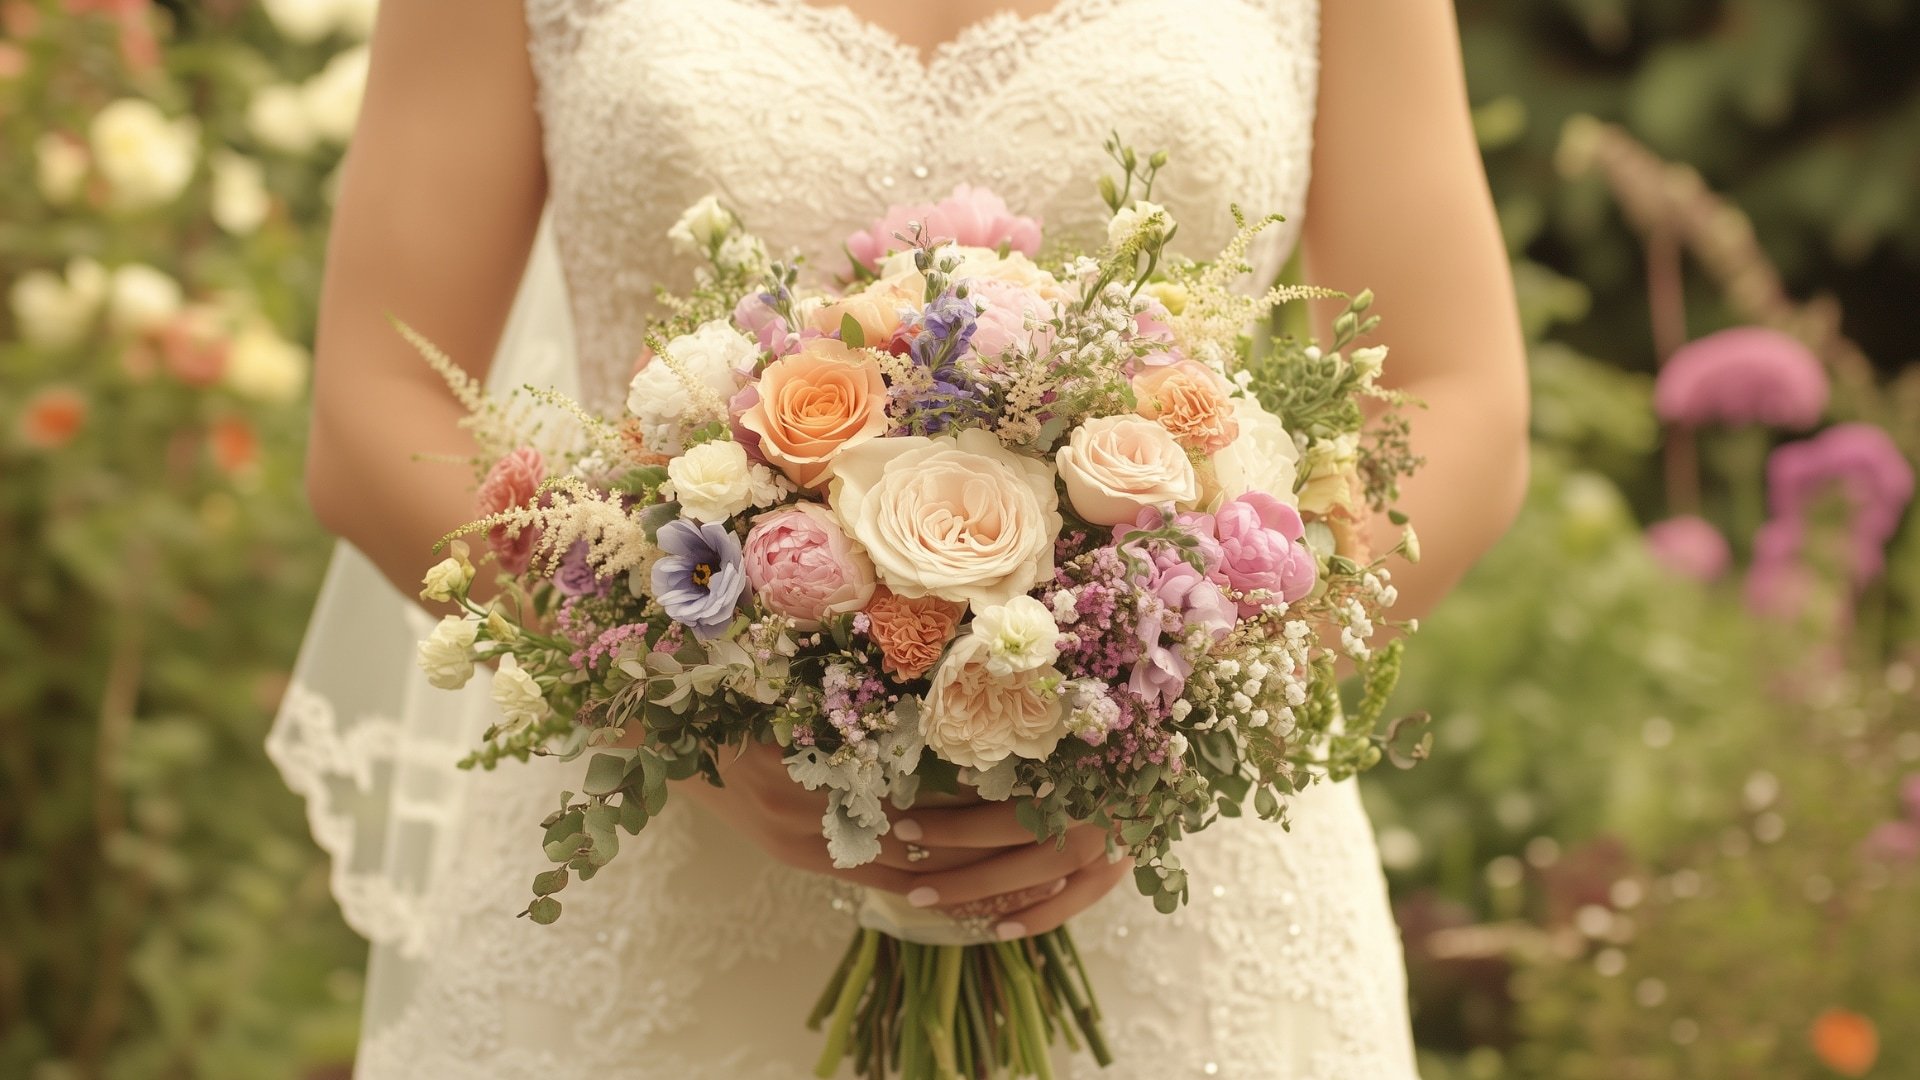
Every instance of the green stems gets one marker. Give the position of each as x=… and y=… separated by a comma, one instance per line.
x=850, y=994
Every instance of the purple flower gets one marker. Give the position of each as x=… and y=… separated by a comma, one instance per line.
x=1689, y=547
x=576, y=576
x=1160, y=675
x=1747, y=375
x=760, y=319
x=699, y=580
x=1863, y=462
x=944, y=328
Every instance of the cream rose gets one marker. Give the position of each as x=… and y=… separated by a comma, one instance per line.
x=60, y=167
x=1263, y=458
x=1330, y=466
x=977, y=719
x=141, y=299
x=1116, y=465
x=240, y=200
x=959, y=517
x=713, y=481
x=146, y=158
x=277, y=116
x=264, y=366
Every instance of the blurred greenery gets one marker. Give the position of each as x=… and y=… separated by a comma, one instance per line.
x=1639, y=851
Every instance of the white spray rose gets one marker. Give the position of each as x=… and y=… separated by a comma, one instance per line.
x=517, y=694
x=332, y=98
x=59, y=167
x=146, y=158
x=56, y=312
x=1129, y=220
x=240, y=200
x=1330, y=468
x=1262, y=458
x=711, y=356
x=277, y=116
x=1020, y=635
x=264, y=366
x=445, y=579
x=142, y=299
x=701, y=227
x=447, y=653
x=713, y=481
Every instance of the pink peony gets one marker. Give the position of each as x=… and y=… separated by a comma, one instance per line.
x=1748, y=375
x=513, y=481
x=971, y=216
x=1689, y=547
x=1260, y=537
x=801, y=565
x=1003, y=323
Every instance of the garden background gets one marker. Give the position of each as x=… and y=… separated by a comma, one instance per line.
x=1672, y=821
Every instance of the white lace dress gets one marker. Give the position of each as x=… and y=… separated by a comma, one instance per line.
x=693, y=956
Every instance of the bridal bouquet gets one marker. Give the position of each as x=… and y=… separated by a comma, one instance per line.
x=969, y=525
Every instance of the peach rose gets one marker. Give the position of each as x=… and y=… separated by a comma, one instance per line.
x=912, y=631
x=1115, y=466
x=877, y=310
x=1191, y=400
x=813, y=405
x=977, y=719
x=959, y=517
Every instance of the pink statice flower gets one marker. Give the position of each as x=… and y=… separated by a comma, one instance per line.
x=1747, y=375
x=1870, y=472
x=513, y=481
x=971, y=216
x=1689, y=547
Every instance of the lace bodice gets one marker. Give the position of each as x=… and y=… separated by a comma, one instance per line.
x=694, y=957
x=809, y=122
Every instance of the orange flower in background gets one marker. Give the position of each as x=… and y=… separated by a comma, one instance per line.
x=193, y=347
x=1845, y=1042
x=234, y=444
x=53, y=417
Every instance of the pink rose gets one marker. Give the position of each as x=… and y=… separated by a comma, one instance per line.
x=971, y=216
x=1003, y=323
x=802, y=566
x=1260, y=540
x=513, y=481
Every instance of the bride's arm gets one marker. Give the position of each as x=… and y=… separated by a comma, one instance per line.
x=439, y=198
x=1400, y=204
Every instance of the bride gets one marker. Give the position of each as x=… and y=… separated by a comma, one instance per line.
x=531, y=159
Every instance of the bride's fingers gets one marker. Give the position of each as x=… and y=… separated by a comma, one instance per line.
x=988, y=825
x=1083, y=889
x=921, y=859
x=1010, y=872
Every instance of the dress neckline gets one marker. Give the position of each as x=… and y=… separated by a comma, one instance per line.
x=996, y=26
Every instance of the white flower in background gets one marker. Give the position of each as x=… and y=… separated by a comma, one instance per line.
x=59, y=167
x=447, y=653
x=240, y=200
x=713, y=481
x=332, y=98
x=663, y=404
x=146, y=158
x=701, y=227
x=1020, y=635
x=743, y=252
x=1262, y=458
x=264, y=366
x=1129, y=220
x=355, y=17
x=141, y=299
x=56, y=312
x=303, y=21
x=517, y=694
x=277, y=116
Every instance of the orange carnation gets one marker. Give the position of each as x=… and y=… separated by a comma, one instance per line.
x=1191, y=401
x=912, y=632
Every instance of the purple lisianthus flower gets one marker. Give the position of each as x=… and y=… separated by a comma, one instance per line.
x=576, y=576
x=1160, y=676
x=760, y=319
x=700, y=580
x=1160, y=556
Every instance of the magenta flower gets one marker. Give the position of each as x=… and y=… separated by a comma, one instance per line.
x=1871, y=473
x=1689, y=547
x=1747, y=375
x=971, y=216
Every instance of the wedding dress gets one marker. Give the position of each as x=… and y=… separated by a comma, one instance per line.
x=694, y=956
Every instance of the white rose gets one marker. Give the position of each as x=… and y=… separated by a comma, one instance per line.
x=713, y=481
x=332, y=98
x=146, y=158
x=701, y=227
x=1129, y=220
x=1020, y=635
x=141, y=299
x=1116, y=465
x=711, y=357
x=1329, y=466
x=1262, y=458
x=240, y=200
x=976, y=719
x=356, y=17
x=55, y=312
x=59, y=167
x=302, y=21
x=445, y=579
x=517, y=694
x=447, y=653
x=960, y=517
x=277, y=116
x=264, y=366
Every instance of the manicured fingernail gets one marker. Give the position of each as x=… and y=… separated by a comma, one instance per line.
x=908, y=830
x=1010, y=931
x=924, y=896
x=1058, y=887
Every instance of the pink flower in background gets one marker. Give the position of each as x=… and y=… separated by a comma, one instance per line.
x=1894, y=841
x=1748, y=375
x=1260, y=536
x=513, y=481
x=1778, y=583
x=971, y=216
x=1870, y=472
x=1690, y=547
x=1153, y=322
x=802, y=565
x=1002, y=323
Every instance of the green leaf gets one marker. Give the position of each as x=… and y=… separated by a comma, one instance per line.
x=550, y=882
x=1146, y=879
x=633, y=816
x=1166, y=903
x=605, y=774
x=544, y=910
x=851, y=333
